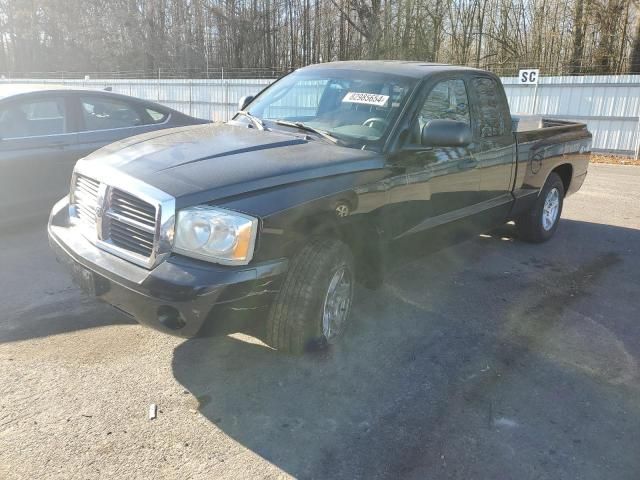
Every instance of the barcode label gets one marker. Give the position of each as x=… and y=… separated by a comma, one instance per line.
x=366, y=98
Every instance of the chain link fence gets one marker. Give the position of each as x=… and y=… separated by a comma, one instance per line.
x=218, y=73
x=610, y=66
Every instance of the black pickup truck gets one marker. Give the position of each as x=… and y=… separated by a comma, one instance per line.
x=279, y=211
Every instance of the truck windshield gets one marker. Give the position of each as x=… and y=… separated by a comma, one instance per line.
x=356, y=107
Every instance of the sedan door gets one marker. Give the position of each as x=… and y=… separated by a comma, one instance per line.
x=107, y=118
x=37, y=154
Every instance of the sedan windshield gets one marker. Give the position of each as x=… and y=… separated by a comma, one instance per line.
x=350, y=105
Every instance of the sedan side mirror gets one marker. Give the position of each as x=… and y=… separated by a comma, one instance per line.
x=446, y=133
x=244, y=101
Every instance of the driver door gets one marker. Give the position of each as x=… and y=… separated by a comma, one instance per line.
x=441, y=183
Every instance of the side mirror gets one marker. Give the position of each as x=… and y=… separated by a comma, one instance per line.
x=446, y=133
x=244, y=101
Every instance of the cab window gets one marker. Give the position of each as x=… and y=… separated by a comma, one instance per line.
x=491, y=121
x=34, y=118
x=447, y=100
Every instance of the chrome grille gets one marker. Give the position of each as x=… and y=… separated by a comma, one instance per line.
x=85, y=199
x=131, y=223
x=135, y=225
x=132, y=208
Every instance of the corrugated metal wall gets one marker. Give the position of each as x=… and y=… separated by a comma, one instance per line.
x=609, y=104
x=210, y=99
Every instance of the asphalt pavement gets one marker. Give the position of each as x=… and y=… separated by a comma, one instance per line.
x=490, y=359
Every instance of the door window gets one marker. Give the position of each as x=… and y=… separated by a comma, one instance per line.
x=491, y=115
x=107, y=113
x=448, y=100
x=33, y=118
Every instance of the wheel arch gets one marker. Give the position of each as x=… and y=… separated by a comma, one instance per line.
x=565, y=172
x=362, y=237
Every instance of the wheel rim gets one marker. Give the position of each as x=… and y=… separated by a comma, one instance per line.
x=551, y=209
x=337, y=303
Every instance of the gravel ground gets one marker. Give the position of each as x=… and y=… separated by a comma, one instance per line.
x=615, y=159
x=491, y=359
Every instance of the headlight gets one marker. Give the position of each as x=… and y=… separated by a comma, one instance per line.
x=216, y=235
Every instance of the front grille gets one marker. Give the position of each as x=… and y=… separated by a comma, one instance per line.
x=131, y=223
x=85, y=199
x=133, y=208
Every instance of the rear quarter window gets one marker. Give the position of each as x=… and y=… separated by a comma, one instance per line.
x=491, y=118
x=156, y=116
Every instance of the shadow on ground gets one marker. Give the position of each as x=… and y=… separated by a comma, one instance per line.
x=55, y=317
x=490, y=359
x=37, y=294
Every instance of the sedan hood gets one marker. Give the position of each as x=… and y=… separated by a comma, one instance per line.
x=221, y=160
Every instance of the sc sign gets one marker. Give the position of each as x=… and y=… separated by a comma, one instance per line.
x=529, y=76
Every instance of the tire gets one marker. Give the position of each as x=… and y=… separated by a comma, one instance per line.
x=296, y=320
x=540, y=223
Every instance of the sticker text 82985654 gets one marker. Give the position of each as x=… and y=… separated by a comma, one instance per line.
x=366, y=98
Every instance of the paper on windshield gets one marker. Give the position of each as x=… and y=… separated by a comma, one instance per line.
x=366, y=98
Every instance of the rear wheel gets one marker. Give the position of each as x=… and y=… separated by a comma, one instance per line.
x=313, y=305
x=539, y=224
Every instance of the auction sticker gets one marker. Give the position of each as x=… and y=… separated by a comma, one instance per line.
x=366, y=98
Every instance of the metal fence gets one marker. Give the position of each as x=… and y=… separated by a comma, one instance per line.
x=609, y=104
x=209, y=99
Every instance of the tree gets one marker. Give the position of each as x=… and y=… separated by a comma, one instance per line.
x=199, y=37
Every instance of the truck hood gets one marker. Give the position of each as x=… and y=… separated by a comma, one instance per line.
x=208, y=162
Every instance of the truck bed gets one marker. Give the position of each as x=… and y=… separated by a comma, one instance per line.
x=543, y=145
x=529, y=123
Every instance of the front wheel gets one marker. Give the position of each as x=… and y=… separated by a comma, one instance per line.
x=313, y=305
x=539, y=224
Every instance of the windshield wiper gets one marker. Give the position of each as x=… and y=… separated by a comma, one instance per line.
x=254, y=120
x=308, y=128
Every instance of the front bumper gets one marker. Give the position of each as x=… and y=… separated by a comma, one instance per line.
x=179, y=295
